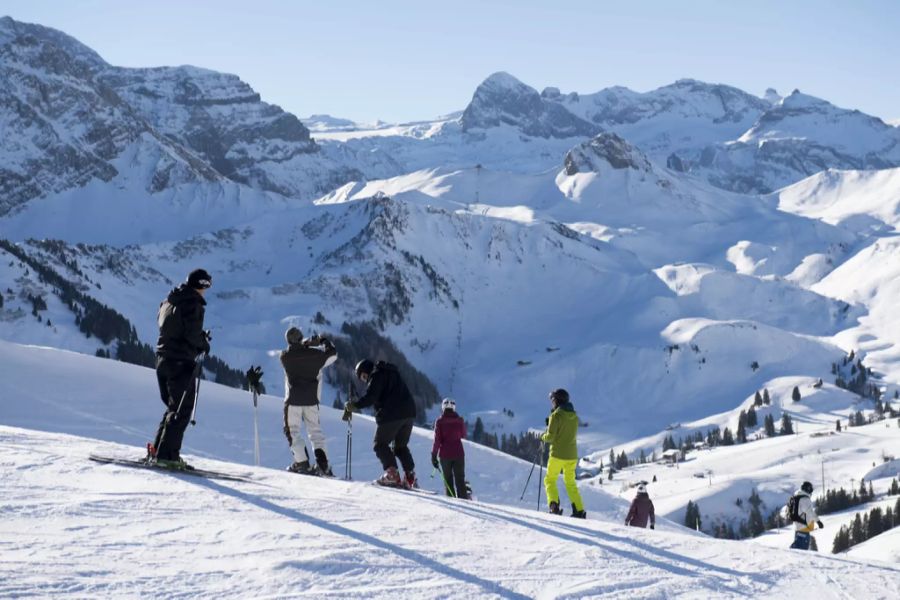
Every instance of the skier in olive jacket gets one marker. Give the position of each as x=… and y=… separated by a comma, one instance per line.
x=181, y=341
x=641, y=509
x=449, y=432
x=395, y=412
x=561, y=434
x=303, y=362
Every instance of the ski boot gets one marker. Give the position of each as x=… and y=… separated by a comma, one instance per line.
x=409, y=481
x=578, y=514
x=174, y=464
x=322, y=466
x=302, y=467
x=555, y=509
x=390, y=478
x=151, y=453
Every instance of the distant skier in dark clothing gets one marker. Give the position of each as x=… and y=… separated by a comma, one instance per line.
x=395, y=412
x=181, y=340
x=641, y=509
x=303, y=362
x=449, y=432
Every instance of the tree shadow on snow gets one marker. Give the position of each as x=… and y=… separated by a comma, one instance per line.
x=411, y=555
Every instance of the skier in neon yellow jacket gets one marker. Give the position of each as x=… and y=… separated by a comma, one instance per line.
x=562, y=429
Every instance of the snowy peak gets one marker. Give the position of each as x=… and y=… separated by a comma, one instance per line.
x=50, y=44
x=605, y=149
x=501, y=99
x=772, y=96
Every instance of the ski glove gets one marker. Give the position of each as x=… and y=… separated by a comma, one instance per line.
x=349, y=408
x=287, y=434
x=820, y=524
x=652, y=526
x=434, y=461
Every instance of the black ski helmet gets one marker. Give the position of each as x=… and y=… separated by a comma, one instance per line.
x=807, y=487
x=559, y=396
x=364, y=366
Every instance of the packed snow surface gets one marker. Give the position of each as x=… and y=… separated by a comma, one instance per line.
x=72, y=527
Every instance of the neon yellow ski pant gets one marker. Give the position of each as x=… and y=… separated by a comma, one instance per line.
x=555, y=466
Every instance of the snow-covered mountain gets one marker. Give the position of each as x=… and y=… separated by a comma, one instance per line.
x=800, y=136
x=70, y=118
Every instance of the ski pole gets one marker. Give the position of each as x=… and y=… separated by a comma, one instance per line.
x=446, y=485
x=541, y=476
x=527, y=481
x=255, y=427
x=348, y=455
x=197, y=371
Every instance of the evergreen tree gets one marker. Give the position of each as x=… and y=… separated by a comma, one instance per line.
x=766, y=400
x=741, y=433
x=769, y=424
x=787, y=426
x=727, y=437
x=751, y=417
x=478, y=433
x=795, y=395
x=755, y=524
x=857, y=532
x=757, y=399
x=692, y=516
x=841, y=540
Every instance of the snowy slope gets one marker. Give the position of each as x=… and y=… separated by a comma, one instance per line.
x=800, y=136
x=858, y=200
x=73, y=527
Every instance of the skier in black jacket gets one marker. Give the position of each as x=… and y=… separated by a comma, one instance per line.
x=181, y=340
x=303, y=362
x=395, y=412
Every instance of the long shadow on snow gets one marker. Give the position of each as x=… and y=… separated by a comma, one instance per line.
x=463, y=506
x=488, y=586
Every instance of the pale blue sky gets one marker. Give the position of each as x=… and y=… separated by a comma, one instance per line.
x=407, y=60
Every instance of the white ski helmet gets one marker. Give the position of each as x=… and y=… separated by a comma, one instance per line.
x=448, y=403
x=641, y=488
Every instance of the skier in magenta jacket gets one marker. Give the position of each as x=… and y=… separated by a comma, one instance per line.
x=641, y=509
x=449, y=432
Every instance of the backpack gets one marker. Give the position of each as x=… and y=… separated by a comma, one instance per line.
x=793, y=506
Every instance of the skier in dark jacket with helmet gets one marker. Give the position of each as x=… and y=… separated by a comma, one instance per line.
x=449, y=432
x=395, y=412
x=641, y=509
x=181, y=340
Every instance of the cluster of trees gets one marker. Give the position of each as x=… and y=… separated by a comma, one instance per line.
x=858, y=379
x=867, y=526
x=719, y=437
x=837, y=500
x=753, y=525
x=692, y=517
x=95, y=319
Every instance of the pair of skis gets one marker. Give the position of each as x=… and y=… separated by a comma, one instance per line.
x=145, y=464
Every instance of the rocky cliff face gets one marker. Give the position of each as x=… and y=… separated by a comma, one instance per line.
x=63, y=126
x=501, y=99
x=69, y=117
